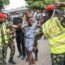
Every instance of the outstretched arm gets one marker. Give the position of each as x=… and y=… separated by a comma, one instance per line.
x=60, y=4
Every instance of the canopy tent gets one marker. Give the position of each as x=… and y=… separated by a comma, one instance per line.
x=15, y=5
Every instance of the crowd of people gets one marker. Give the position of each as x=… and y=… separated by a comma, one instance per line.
x=27, y=30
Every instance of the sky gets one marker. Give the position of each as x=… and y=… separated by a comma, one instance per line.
x=15, y=4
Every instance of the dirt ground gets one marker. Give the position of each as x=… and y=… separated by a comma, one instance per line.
x=44, y=54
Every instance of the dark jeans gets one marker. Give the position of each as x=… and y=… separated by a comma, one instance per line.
x=20, y=43
x=58, y=59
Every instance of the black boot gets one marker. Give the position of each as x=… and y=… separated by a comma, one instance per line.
x=23, y=58
x=36, y=58
x=11, y=61
x=27, y=60
x=19, y=56
x=36, y=55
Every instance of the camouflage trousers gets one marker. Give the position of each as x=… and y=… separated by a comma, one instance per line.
x=3, y=51
x=58, y=59
x=1, y=55
x=36, y=46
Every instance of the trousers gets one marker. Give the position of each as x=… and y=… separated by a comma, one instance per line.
x=20, y=43
x=58, y=59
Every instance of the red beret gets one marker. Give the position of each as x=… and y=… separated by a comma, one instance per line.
x=50, y=7
x=2, y=15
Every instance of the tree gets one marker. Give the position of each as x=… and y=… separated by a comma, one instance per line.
x=62, y=0
x=1, y=4
x=36, y=4
x=40, y=4
x=5, y=2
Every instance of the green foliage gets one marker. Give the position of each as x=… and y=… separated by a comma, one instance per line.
x=1, y=4
x=50, y=1
x=40, y=4
x=5, y=2
x=36, y=4
x=62, y=0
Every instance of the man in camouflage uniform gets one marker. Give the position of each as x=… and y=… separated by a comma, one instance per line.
x=6, y=40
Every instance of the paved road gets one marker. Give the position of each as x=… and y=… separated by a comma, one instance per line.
x=44, y=54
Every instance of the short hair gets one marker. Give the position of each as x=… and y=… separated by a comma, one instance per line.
x=17, y=20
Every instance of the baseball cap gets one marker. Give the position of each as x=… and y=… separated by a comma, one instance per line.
x=3, y=15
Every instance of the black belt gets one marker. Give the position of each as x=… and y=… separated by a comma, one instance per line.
x=27, y=37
